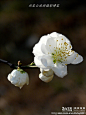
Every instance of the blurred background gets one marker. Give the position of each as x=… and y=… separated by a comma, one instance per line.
x=21, y=27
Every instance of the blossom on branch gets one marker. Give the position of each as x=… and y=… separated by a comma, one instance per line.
x=18, y=77
x=54, y=52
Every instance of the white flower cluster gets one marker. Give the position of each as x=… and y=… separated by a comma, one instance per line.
x=52, y=54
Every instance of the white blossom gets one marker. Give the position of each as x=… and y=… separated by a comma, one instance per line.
x=54, y=51
x=46, y=76
x=18, y=77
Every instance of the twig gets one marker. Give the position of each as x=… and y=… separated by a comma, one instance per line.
x=32, y=65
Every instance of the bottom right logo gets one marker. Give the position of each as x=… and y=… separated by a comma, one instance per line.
x=71, y=111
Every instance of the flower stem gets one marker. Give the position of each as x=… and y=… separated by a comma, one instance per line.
x=32, y=65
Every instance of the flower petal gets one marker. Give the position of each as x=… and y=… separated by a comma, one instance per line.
x=60, y=70
x=38, y=62
x=47, y=73
x=44, y=78
x=74, y=58
x=37, y=47
x=37, y=50
x=78, y=59
x=49, y=60
x=60, y=37
x=43, y=49
x=70, y=58
x=44, y=62
x=51, y=45
x=41, y=62
x=44, y=38
x=61, y=41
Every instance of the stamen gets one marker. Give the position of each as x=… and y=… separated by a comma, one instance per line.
x=60, y=54
x=65, y=43
x=77, y=55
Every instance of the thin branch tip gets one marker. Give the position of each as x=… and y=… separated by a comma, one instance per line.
x=32, y=65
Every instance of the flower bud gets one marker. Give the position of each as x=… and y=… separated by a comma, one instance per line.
x=46, y=76
x=18, y=77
